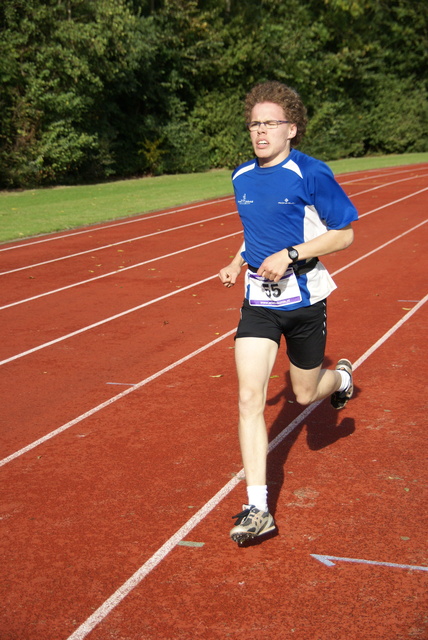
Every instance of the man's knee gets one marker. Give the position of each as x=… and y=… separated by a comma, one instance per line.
x=304, y=395
x=251, y=401
x=305, y=383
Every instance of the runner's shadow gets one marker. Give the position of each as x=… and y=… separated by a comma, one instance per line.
x=318, y=437
x=324, y=427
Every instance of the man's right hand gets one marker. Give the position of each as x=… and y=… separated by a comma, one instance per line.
x=228, y=275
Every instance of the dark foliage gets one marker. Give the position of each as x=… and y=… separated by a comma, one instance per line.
x=101, y=89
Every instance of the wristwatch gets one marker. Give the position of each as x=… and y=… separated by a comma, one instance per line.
x=293, y=254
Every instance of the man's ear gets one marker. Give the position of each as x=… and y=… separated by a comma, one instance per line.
x=293, y=131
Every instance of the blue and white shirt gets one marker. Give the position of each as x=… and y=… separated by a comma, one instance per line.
x=288, y=204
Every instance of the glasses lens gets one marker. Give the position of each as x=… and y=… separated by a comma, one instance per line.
x=269, y=124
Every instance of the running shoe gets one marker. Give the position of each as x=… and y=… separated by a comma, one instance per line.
x=250, y=523
x=340, y=398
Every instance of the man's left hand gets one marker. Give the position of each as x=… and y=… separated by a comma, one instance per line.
x=274, y=267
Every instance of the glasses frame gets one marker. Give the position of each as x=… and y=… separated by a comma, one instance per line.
x=269, y=124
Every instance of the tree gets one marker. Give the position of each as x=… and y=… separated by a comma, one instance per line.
x=63, y=67
x=95, y=89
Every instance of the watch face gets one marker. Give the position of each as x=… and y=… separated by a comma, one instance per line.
x=293, y=254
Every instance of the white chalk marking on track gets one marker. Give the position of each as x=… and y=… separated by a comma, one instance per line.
x=116, y=244
x=103, y=611
x=117, y=223
x=328, y=562
x=175, y=292
x=110, y=401
x=123, y=384
x=119, y=271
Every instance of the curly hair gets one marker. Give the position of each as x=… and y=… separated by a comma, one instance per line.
x=285, y=97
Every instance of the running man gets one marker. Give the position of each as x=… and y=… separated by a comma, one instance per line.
x=292, y=211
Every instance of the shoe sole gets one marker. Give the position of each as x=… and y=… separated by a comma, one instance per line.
x=241, y=537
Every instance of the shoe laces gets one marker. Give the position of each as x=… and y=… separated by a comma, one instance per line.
x=241, y=516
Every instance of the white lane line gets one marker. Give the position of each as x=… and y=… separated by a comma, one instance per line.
x=370, y=176
x=390, y=204
x=143, y=217
x=387, y=184
x=355, y=366
x=119, y=271
x=116, y=244
x=382, y=246
x=101, y=322
x=74, y=255
x=103, y=611
x=76, y=284
x=110, y=401
x=118, y=223
x=175, y=292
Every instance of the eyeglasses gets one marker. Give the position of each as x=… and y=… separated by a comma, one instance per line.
x=269, y=124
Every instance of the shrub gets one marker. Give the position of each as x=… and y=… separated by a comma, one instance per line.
x=398, y=117
x=335, y=131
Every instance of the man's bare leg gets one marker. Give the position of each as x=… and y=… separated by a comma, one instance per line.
x=254, y=358
x=310, y=385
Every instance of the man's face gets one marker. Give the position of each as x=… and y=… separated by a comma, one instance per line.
x=271, y=146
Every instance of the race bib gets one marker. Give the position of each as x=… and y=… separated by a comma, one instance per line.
x=266, y=293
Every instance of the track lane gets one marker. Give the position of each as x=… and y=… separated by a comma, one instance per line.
x=123, y=485
x=109, y=484
x=70, y=247
x=330, y=496
x=108, y=297
x=68, y=379
x=96, y=235
x=104, y=300
x=170, y=335
x=122, y=270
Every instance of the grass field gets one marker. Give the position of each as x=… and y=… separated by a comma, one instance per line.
x=37, y=211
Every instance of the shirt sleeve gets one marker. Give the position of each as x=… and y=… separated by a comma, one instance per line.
x=331, y=202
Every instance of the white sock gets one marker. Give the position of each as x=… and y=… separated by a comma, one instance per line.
x=257, y=496
x=346, y=380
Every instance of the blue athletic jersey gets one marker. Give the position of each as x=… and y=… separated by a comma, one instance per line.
x=288, y=204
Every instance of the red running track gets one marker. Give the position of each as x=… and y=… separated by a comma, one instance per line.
x=119, y=457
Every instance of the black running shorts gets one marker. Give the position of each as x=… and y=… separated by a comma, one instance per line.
x=304, y=329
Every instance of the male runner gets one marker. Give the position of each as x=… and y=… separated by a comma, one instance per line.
x=292, y=211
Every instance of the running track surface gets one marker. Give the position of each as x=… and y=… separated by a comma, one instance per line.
x=120, y=467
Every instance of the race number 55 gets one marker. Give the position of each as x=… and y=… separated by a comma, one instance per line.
x=271, y=290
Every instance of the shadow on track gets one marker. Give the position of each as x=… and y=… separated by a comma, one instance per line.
x=324, y=427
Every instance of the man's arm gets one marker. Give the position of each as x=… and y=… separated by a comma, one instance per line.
x=228, y=275
x=275, y=265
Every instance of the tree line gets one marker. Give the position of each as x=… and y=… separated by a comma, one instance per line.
x=102, y=89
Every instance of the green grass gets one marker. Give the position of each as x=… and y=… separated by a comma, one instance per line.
x=37, y=211
x=376, y=162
